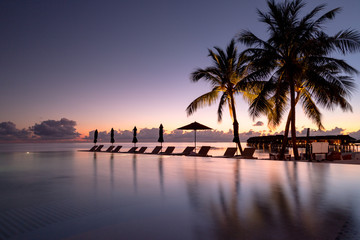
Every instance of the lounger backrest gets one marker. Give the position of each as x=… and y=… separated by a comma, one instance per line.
x=110, y=148
x=93, y=148
x=230, y=152
x=99, y=148
x=204, y=150
x=169, y=150
x=117, y=149
x=142, y=150
x=132, y=150
x=156, y=150
x=188, y=150
x=248, y=152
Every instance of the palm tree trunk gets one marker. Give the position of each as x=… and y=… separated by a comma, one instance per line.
x=286, y=132
x=292, y=112
x=235, y=124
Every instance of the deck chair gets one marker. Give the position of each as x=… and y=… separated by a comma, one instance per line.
x=93, y=148
x=156, y=150
x=110, y=149
x=247, y=154
x=186, y=152
x=141, y=150
x=98, y=149
x=203, y=152
x=230, y=152
x=117, y=149
x=168, y=150
x=132, y=150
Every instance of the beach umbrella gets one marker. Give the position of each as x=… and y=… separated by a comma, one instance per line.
x=161, y=135
x=194, y=126
x=95, y=136
x=112, y=140
x=134, y=136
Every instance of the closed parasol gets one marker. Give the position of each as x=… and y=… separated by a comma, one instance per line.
x=112, y=140
x=95, y=136
x=161, y=135
x=134, y=136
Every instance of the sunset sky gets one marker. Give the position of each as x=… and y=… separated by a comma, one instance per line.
x=108, y=63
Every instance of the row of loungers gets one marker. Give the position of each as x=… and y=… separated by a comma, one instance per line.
x=188, y=151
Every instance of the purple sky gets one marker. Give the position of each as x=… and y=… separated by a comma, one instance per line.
x=118, y=64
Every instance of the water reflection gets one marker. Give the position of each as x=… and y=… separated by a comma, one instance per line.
x=161, y=174
x=112, y=170
x=274, y=212
x=237, y=199
x=205, y=198
x=134, y=167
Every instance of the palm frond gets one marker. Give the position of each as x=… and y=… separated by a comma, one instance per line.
x=347, y=41
x=206, y=99
x=311, y=110
x=222, y=101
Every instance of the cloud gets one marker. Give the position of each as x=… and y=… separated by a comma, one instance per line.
x=258, y=124
x=355, y=135
x=313, y=132
x=56, y=130
x=119, y=136
x=9, y=132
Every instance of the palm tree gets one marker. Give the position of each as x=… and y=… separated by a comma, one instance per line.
x=225, y=76
x=295, y=64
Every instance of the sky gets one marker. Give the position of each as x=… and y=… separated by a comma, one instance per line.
x=68, y=67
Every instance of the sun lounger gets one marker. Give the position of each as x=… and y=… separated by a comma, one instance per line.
x=93, y=148
x=141, y=150
x=156, y=150
x=168, y=150
x=132, y=150
x=117, y=149
x=110, y=149
x=247, y=154
x=203, y=152
x=98, y=149
x=230, y=152
x=187, y=151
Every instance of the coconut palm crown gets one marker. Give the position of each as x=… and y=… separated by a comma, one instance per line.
x=295, y=62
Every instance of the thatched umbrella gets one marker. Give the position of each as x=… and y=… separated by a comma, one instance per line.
x=112, y=140
x=194, y=126
x=134, y=136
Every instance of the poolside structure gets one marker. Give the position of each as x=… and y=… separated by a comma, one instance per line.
x=343, y=143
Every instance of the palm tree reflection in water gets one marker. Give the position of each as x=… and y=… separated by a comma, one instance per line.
x=275, y=207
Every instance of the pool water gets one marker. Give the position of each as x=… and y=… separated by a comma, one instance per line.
x=82, y=195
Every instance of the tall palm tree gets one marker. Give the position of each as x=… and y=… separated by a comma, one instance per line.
x=225, y=75
x=295, y=62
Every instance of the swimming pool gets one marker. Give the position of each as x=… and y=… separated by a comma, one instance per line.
x=82, y=195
